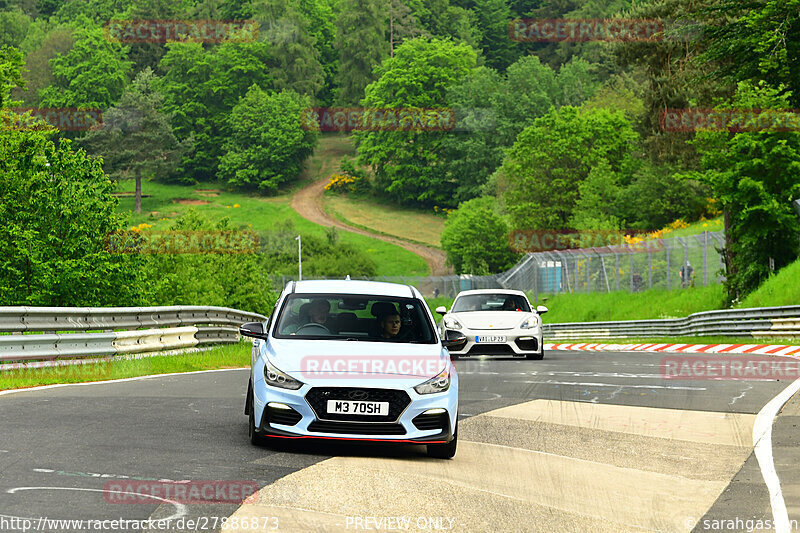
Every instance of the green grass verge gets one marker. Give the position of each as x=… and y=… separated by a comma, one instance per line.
x=650, y=304
x=412, y=225
x=782, y=288
x=228, y=356
x=594, y=307
x=169, y=201
x=679, y=340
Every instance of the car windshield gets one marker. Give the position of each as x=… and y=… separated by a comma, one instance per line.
x=490, y=302
x=354, y=317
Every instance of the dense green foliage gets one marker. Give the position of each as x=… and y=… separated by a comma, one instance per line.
x=475, y=238
x=267, y=145
x=565, y=135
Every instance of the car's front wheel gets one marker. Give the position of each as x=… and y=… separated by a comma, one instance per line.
x=535, y=356
x=444, y=451
x=255, y=438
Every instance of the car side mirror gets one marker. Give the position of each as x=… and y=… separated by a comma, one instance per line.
x=454, y=339
x=442, y=310
x=541, y=309
x=253, y=329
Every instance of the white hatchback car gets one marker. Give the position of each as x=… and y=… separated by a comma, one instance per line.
x=495, y=322
x=353, y=360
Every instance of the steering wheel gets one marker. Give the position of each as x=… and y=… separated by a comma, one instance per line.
x=312, y=326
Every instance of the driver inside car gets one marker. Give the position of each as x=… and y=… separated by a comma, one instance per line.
x=319, y=311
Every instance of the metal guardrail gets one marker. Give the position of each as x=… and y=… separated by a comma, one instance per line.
x=755, y=322
x=39, y=333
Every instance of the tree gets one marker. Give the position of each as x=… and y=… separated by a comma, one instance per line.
x=293, y=58
x=136, y=138
x=268, y=144
x=10, y=76
x=56, y=207
x=541, y=175
x=13, y=27
x=408, y=165
x=475, y=238
x=200, y=88
x=493, y=18
x=402, y=24
x=757, y=40
x=755, y=175
x=92, y=74
x=361, y=44
x=38, y=69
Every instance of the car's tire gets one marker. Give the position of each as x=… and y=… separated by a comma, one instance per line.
x=255, y=438
x=444, y=451
x=535, y=356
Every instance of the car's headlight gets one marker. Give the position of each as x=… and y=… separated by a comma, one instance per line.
x=529, y=323
x=438, y=383
x=451, y=323
x=276, y=378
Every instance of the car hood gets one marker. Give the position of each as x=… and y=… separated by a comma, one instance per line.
x=344, y=361
x=491, y=319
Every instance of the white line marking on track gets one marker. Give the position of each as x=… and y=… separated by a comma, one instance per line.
x=180, y=509
x=137, y=378
x=551, y=382
x=762, y=442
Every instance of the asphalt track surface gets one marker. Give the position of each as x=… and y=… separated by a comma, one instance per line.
x=578, y=442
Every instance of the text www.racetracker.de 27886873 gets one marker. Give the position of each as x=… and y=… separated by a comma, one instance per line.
x=200, y=523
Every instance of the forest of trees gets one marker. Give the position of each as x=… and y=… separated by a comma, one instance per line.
x=550, y=135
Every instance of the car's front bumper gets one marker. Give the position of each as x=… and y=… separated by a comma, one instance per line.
x=518, y=342
x=308, y=425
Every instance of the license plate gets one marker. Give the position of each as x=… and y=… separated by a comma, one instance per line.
x=490, y=338
x=344, y=407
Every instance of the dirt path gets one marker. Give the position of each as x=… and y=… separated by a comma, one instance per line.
x=308, y=204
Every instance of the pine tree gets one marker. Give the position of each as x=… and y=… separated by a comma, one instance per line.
x=361, y=41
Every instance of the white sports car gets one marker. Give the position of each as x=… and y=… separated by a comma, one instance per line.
x=495, y=322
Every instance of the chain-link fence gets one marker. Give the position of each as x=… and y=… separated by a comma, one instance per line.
x=660, y=264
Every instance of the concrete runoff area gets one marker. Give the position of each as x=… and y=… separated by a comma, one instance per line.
x=687, y=458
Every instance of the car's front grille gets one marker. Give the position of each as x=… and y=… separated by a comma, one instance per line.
x=286, y=417
x=318, y=398
x=430, y=421
x=352, y=428
x=490, y=349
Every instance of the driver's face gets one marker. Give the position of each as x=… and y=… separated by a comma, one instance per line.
x=318, y=314
x=391, y=325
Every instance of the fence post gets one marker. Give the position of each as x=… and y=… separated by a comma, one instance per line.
x=616, y=268
x=705, y=258
x=649, y=269
x=630, y=274
x=666, y=247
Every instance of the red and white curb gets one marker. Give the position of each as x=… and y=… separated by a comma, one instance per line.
x=761, y=349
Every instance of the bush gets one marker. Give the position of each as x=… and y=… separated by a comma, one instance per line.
x=475, y=238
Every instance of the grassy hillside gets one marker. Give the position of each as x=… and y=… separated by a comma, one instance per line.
x=595, y=307
x=410, y=224
x=781, y=289
x=262, y=213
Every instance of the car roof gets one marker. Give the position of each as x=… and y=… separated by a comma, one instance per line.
x=491, y=291
x=348, y=286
